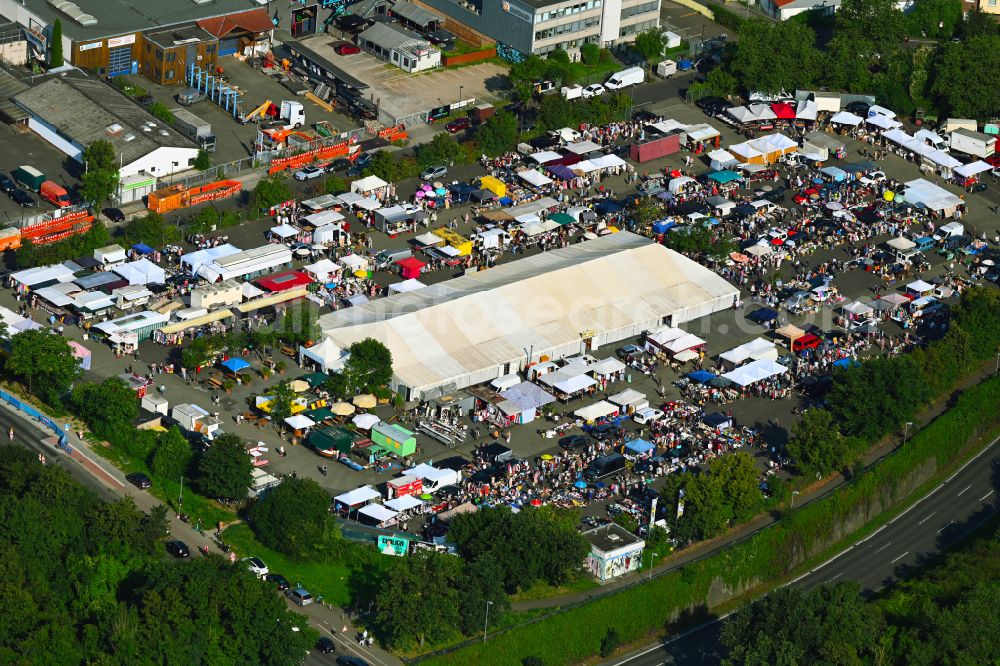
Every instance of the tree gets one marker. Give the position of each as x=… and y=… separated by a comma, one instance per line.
x=556, y=112
x=100, y=179
x=369, y=365
x=876, y=397
x=443, y=149
x=876, y=27
x=294, y=518
x=978, y=24
x=700, y=240
x=224, y=469
x=758, y=66
x=590, y=54
x=650, y=44
x=282, y=398
x=152, y=229
x=269, y=192
x=938, y=19
x=203, y=161
x=419, y=601
x=481, y=584
x=739, y=478
x=558, y=55
x=160, y=111
x=45, y=363
x=498, y=134
x=106, y=406
x=974, y=94
x=56, y=53
x=816, y=446
x=171, y=456
x=611, y=641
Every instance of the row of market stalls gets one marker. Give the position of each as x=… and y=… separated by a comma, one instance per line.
x=668, y=136
x=768, y=115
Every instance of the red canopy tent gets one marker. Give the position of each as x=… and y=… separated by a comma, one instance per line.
x=783, y=110
x=411, y=267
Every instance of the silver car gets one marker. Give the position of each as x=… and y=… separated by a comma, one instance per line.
x=431, y=173
x=796, y=300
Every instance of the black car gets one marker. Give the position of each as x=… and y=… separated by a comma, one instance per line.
x=325, y=645
x=859, y=108
x=487, y=475
x=713, y=106
x=628, y=352
x=605, y=431
x=22, y=198
x=360, y=164
x=644, y=116
x=338, y=165
x=114, y=214
x=139, y=480
x=774, y=195
x=6, y=184
x=178, y=549
x=573, y=442
x=280, y=581
x=348, y=660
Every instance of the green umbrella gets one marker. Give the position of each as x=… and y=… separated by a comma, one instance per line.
x=425, y=496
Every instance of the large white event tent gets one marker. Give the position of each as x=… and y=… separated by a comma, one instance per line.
x=477, y=327
x=755, y=371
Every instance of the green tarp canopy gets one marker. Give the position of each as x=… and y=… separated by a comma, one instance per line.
x=320, y=414
x=331, y=438
x=562, y=218
x=315, y=379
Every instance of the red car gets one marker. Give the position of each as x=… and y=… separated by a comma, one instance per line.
x=806, y=195
x=346, y=48
x=993, y=160
x=807, y=341
x=457, y=125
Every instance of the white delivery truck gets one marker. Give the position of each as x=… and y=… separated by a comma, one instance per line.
x=973, y=143
x=434, y=479
x=625, y=78
x=666, y=69
x=293, y=113
x=571, y=92
x=949, y=230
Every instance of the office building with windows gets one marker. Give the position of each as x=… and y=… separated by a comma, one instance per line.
x=540, y=26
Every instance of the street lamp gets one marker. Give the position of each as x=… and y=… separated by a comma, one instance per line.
x=792, y=506
x=906, y=431
x=487, y=623
x=652, y=558
x=997, y=370
x=180, y=496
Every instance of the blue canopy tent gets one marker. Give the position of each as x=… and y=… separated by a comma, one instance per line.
x=142, y=248
x=846, y=363
x=663, y=226
x=639, y=446
x=561, y=172
x=235, y=364
x=763, y=315
x=701, y=376
x=506, y=201
x=605, y=207
x=723, y=177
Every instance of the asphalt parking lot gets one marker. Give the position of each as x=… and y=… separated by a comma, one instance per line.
x=30, y=149
x=400, y=93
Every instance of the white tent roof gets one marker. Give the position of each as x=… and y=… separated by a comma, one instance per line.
x=773, y=142
x=532, y=177
x=896, y=135
x=881, y=110
x=755, y=371
x=544, y=156
x=627, y=397
x=756, y=349
x=668, y=125
x=677, y=184
x=846, y=118
x=969, y=170
x=569, y=385
x=806, y=110
x=943, y=159
x=33, y=276
x=686, y=341
x=323, y=269
x=285, y=230
x=377, y=512
x=701, y=132
x=368, y=184
x=934, y=197
x=582, y=147
x=299, y=421
x=744, y=151
x=322, y=218
x=358, y=496
x=406, y=285
x=354, y=262
x=858, y=308
x=901, y=243
x=597, y=410
x=752, y=113
x=929, y=137
x=142, y=271
x=608, y=161
x=535, y=228
x=723, y=158
x=883, y=121
x=326, y=353
x=365, y=421
x=459, y=331
x=607, y=366
x=665, y=334
x=404, y=503
x=920, y=286
x=758, y=250
x=505, y=382
x=195, y=260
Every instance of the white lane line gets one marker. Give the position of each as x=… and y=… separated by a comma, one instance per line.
x=946, y=526
x=900, y=557
x=835, y=577
x=985, y=496
x=963, y=490
x=883, y=547
x=926, y=519
x=870, y=535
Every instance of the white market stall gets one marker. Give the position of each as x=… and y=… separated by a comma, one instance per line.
x=406, y=285
x=534, y=178
x=755, y=371
x=142, y=272
x=324, y=271
x=598, y=410
x=846, y=118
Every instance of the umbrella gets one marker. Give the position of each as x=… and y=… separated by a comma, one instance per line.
x=440, y=191
x=235, y=364
x=580, y=484
x=303, y=252
x=719, y=382
x=987, y=262
x=342, y=408
x=365, y=421
x=888, y=196
x=298, y=385
x=425, y=496
x=438, y=184
x=546, y=457
x=361, y=274
x=536, y=502
x=420, y=194
x=835, y=205
x=365, y=401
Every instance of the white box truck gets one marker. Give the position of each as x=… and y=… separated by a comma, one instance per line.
x=434, y=479
x=571, y=92
x=973, y=143
x=625, y=78
x=666, y=69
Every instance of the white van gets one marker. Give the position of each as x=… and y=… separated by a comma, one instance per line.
x=625, y=78
x=949, y=230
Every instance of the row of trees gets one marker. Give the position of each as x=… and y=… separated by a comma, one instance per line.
x=85, y=580
x=947, y=616
x=867, y=54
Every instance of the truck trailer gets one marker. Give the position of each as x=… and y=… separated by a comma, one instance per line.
x=194, y=128
x=973, y=143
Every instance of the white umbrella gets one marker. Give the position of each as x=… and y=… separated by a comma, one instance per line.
x=835, y=205
x=365, y=421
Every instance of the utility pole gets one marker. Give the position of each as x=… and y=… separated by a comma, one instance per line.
x=487, y=623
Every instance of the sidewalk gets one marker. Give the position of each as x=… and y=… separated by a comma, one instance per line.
x=811, y=494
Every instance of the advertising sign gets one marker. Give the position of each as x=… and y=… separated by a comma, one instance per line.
x=392, y=545
x=121, y=41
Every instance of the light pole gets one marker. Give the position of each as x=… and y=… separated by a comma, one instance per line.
x=180, y=497
x=906, y=431
x=487, y=623
x=652, y=558
x=997, y=370
x=460, y=89
x=794, y=493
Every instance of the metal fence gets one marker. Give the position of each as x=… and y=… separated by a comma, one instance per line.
x=45, y=420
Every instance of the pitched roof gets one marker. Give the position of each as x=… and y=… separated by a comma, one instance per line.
x=252, y=20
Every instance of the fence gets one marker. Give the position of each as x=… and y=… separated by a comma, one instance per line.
x=467, y=58
x=45, y=420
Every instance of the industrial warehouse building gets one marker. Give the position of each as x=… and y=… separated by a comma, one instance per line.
x=71, y=112
x=484, y=325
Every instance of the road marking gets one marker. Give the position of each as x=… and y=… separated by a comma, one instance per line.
x=926, y=519
x=883, y=547
x=870, y=535
x=835, y=577
x=946, y=526
x=900, y=557
x=349, y=644
x=983, y=498
x=963, y=490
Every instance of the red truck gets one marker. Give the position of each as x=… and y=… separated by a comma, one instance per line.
x=54, y=194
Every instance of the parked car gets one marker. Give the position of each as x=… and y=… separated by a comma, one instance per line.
x=7, y=185
x=325, y=645
x=648, y=415
x=873, y=178
x=647, y=465
x=434, y=172
x=797, y=300
x=178, y=548
x=256, y=566
x=139, y=480
x=339, y=164
x=346, y=48
x=22, y=198
x=628, y=352
x=605, y=431
x=361, y=162
x=280, y=581
x=114, y=214
x=593, y=90
x=859, y=108
x=300, y=596
x=572, y=442
x=308, y=173
x=348, y=660
x=458, y=125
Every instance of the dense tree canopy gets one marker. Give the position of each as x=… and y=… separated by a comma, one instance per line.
x=369, y=366
x=817, y=447
x=963, y=80
x=498, y=134
x=106, y=406
x=759, y=66
x=294, y=518
x=44, y=362
x=225, y=469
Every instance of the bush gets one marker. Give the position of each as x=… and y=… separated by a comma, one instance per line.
x=160, y=111
x=726, y=18
x=610, y=643
x=293, y=519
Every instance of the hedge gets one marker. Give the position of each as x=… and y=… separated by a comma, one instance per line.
x=726, y=18
x=765, y=558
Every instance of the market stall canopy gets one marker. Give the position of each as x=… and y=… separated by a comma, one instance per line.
x=846, y=118
x=685, y=342
x=901, y=243
x=607, y=366
x=759, y=250
x=323, y=270
x=299, y=422
x=859, y=309
x=429, y=239
x=895, y=300
x=723, y=177
x=505, y=382
x=744, y=152
x=783, y=110
x=934, y=197
x=534, y=178
x=404, y=503
x=527, y=396
x=570, y=385
x=722, y=159
x=790, y=332
x=628, y=397
x=354, y=263
x=365, y=421
x=326, y=354
x=755, y=371
x=685, y=356
x=920, y=287
x=882, y=122
x=806, y=110
x=639, y=446
x=142, y=271
x=678, y=184
x=944, y=160
x=322, y=218
x=598, y=410
x=284, y=231
x=583, y=147
x=361, y=495
x=881, y=110
x=756, y=349
x=342, y=408
x=752, y=113
x=406, y=285
x=368, y=184
x=972, y=169
x=365, y=401
x=235, y=364
x=377, y=513
x=701, y=376
x=930, y=137
x=545, y=156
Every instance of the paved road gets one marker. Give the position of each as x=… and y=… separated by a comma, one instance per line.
x=933, y=524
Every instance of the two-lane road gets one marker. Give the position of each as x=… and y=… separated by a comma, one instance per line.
x=931, y=525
